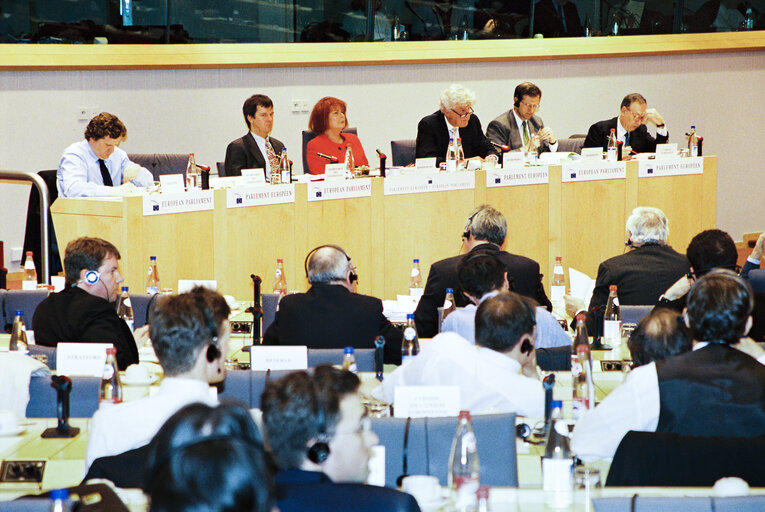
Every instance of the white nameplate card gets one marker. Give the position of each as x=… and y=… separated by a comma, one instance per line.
x=345, y=189
x=229, y=182
x=665, y=151
x=589, y=171
x=425, y=163
x=537, y=175
x=670, y=167
x=81, y=358
x=172, y=183
x=334, y=171
x=419, y=183
x=264, y=358
x=194, y=201
x=258, y=196
x=513, y=160
x=254, y=176
x=426, y=401
x=376, y=466
x=186, y=285
x=592, y=154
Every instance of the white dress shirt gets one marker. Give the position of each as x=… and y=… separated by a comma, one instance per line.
x=454, y=132
x=117, y=428
x=489, y=382
x=261, y=142
x=519, y=122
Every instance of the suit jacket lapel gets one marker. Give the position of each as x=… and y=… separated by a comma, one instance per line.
x=515, y=134
x=254, y=151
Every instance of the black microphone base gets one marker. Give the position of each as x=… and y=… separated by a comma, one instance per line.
x=598, y=345
x=55, y=433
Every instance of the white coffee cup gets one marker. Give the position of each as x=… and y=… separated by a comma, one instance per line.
x=9, y=422
x=425, y=489
x=137, y=373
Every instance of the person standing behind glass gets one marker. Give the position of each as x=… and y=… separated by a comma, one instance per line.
x=328, y=120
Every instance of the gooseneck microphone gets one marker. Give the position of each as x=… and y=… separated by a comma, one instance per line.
x=383, y=158
x=256, y=310
x=327, y=157
x=502, y=147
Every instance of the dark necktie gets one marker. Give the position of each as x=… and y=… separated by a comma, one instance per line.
x=525, y=134
x=105, y=174
x=627, y=139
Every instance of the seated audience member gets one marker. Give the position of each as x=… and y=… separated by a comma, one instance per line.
x=515, y=127
x=328, y=119
x=330, y=314
x=752, y=272
x=190, y=335
x=482, y=276
x=454, y=119
x=689, y=393
x=208, y=458
x=97, y=166
x=256, y=149
x=659, y=335
x=319, y=436
x=485, y=231
x=497, y=374
x=557, y=18
x=630, y=127
x=84, y=311
x=643, y=273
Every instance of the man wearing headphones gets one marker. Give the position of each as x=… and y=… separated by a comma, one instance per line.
x=84, y=311
x=189, y=333
x=320, y=438
x=713, y=390
x=330, y=314
x=497, y=374
x=485, y=230
x=515, y=127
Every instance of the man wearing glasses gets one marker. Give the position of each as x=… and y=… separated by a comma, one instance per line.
x=455, y=120
x=516, y=127
x=630, y=127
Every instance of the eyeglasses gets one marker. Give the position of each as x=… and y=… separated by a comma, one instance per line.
x=637, y=116
x=463, y=116
x=532, y=106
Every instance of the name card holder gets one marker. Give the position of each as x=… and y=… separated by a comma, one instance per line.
x=172, y=183
x=334, y=171
x=263, y=358
x=665, y=151
x=592, y=154
x=254, y=176
x=86, y=359
x=425, y=164
x=426, y=401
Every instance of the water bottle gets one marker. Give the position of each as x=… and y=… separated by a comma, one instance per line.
x=557, y=463
x=693, y=142
x=125, y=309
x=464, y=474
x=410, y=345
x=612, y=319
x=451, y=156
x=350, y=164
x=415, y=277
x=583, y=391
x=152, y=280
x=30, y=273
x=59, y=500
x=465, y=28
x=558, y=288
x=748, y=23
x=349, y=360
x=448, y=303
x=280, y=281
x=192, y=173
x=111, y=386
x=581, y=339
x=18, y=341
x=284, y=167
x=612, y=148
x=460, y=155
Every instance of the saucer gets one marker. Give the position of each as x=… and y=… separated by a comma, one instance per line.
x=14, y=432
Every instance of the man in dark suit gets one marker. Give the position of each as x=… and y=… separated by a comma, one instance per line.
x=330, y=314
x=557, y=18
x=256, y=149
x=485, y=232
x=455, y=119
x=320, y=439
x=751, y=271
x=515, y=127
x=84, y=311
x=630, y=127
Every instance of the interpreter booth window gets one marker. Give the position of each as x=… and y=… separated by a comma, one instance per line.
x=279, y=21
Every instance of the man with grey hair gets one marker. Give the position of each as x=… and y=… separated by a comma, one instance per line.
x=642, y=274
x=630, y=127
x=485, y=231
x=454, y=119
x=330, y=314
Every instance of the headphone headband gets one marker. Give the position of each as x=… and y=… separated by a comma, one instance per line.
x=353, y=277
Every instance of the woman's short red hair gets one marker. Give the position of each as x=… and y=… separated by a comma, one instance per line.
x=319, y=120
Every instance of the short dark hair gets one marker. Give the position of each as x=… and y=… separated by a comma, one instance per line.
x=319, y=120
x=719, y=305
x=251, y=104
x=86, y=253
x=299, y=407
x=105, y=125
x=479, y=273
x=659, y=335
x=181, y=325
x=526, y=89
x=632, y=98
x=202, y=448
x=501, y=321
x=711, y=249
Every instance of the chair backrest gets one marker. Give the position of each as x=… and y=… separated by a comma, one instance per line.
x=308, y=136
x=258, y=382
x=680, y=504
x=221, y=169
x=570, y=145
x=32, y=234
x=365, y=357
x=25, y=300
x=83, y=400
x=141, y=302
x=162, y=163
x=403, y=152
x=238, y=387
x=49, y=352
x=633, y=314
x=268, y=302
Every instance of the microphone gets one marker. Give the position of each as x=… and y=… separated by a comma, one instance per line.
x=383, y=158
x=327, y=157
x=204, y=167
x=502, y=147
x=548, y=383
x=256, y=310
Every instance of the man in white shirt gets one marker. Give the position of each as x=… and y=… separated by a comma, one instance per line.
x=190, y=335
x=713, y=390
x=256, y=149
x=497, y=374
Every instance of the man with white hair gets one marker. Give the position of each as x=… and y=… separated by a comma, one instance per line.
x=454, y=119
x=645, y=271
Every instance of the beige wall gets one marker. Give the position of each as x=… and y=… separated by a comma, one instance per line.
x=178, y=111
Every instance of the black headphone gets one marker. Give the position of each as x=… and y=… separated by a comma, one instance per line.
x=527, y=347
x=405, y=462
x=213, y=352
x=319, y=451
x=92, y=277
x=466, y=233
x=352, y=277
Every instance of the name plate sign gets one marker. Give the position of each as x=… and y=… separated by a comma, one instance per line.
x=259, y=196
x=513, y=160
x=426, y=164
x=194, y=201
x=345, y=189
x=590, y=171
x=172, y=183
x=81, y=358
x=428, y=183
x=666, y=151
x=254, y=176
x=670, y=167
x=537, y=175
x=334, y=171
x=426, y=401
x=264, y=358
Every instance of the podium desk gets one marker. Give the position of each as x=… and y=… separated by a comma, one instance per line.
x=581, y=221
